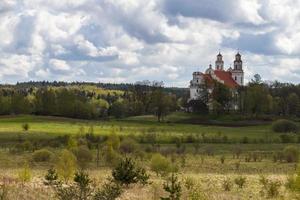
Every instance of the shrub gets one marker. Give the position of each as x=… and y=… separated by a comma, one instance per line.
x=222, y=159
x=84, y=156
x=284, y=126
x=25, y=127
x=173, y=187
x=42, y=155
x=83, y=183
x=227, y=184
x=240, y=181
x=109, y=191
x=51, y=178
x=273, y=188
x=4, y=191
x=291, y=154
x=66, y=164
x=129, y=145
x=25, y=174
x=270, y=188
x=160, y=165
x=127, y=172
x=80, y=190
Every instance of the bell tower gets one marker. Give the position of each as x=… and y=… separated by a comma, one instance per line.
x=219, y=62
x=237, y=72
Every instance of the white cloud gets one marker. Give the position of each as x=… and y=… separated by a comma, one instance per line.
x=59, y=65
x=131, y=40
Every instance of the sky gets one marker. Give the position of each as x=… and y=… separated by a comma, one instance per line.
x=133, y=40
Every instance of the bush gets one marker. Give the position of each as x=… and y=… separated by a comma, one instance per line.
x=84, y=156
x=129, y=145
x=160, y=165
x=42, y=155
x=25, y=127
x=127, y=172
x=240, y=181
x=109, y=191
x=270, y=188
x=291, y=154
x=227, y=184
x=284, y=126
x=173, y=187
x=51, y=178
x=25, y=174
x=66, y=165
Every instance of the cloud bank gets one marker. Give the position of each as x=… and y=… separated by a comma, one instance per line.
x=132, y=40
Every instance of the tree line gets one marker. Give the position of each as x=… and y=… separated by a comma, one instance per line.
x=78, y=102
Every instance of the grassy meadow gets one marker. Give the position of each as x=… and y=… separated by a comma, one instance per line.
x=208, y=168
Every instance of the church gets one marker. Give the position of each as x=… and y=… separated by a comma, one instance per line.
x=233, y=78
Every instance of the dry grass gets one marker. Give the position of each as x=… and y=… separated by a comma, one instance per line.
x=209, y=186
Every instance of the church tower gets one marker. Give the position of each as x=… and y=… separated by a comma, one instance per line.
x=219, y=62
x=237, y=72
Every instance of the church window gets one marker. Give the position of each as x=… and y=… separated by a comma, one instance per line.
x=235, y=78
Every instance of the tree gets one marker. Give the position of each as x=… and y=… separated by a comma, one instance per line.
x=256, y=100
x=127, y=172
x=160, y=165
x=256, y=79
x=221, y=94
x=117, y=109
x=173, y=187
x=83, y=156
x=129, y=145
x=109, y=191
x=160, y=103
x=83, y=183
x=293, y=104
x=51, y=178
x=66, y=164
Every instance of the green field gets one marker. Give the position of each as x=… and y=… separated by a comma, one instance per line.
x=207, y=170
x=53, y=126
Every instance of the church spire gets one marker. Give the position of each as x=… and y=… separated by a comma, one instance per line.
x=219, y=62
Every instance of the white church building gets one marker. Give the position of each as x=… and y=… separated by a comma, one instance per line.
x=232, y=77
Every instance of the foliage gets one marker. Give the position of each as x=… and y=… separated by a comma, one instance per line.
x=83, y=182
x=270, y=188
x=127, y=172
x=25, y=126
x=240, y=181
x=173, y=187
x=109, y=191
x=25, y=174
x=291, y=154
x=80, y=190
x=227, y=184
x=160, y=165
x=284, y=126
x=42, y=155
x=51, y=178
x=129, y=145
x=83, y=156
x=4, y=191
x=66, y=165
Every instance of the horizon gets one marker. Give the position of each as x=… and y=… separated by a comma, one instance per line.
x=126, y=41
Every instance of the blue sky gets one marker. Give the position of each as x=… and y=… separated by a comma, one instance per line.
x=133, y=40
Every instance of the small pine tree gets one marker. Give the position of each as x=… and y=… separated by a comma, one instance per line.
x=25, y=127
x=109, y=191
x=83, y=183
x=126, y=172
x=51, y=178
x=25, y=173
x=173, y=187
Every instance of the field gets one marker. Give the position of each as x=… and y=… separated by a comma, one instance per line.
x=205, y=167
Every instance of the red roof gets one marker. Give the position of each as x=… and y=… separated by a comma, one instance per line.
x=226, y=77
